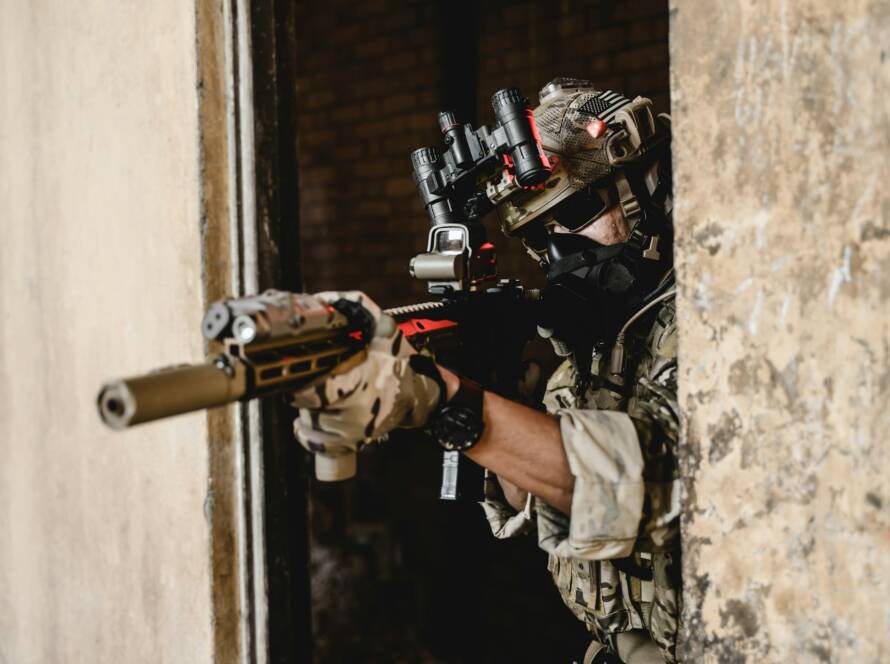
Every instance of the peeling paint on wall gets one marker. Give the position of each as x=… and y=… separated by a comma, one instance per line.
x=782, y=135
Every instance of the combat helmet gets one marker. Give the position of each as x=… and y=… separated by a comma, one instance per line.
x=581, y=152
x=604, y=149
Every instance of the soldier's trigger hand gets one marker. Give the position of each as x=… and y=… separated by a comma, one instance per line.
x=380, y=394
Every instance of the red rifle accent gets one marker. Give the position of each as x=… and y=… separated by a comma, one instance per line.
x=415, y=326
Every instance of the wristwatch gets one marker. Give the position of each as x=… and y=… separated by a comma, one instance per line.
x=457, y=424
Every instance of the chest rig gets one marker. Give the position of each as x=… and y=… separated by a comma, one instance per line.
x=641, y=591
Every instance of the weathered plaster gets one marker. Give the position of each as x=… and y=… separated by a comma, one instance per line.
x=222, y=504
x=782, y=128
x=104, y=546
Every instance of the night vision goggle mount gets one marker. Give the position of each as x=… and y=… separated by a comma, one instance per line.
x=459, y=258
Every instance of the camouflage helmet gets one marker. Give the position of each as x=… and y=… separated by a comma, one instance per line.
x=591, y=137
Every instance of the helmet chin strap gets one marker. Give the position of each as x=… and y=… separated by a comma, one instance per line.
x=630, y=206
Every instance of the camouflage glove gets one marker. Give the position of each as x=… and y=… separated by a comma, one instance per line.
x=393, y=387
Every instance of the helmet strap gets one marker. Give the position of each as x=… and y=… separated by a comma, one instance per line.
x=628, y=201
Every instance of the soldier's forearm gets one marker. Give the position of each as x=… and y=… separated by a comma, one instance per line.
x=522, y=445
x=516, y=497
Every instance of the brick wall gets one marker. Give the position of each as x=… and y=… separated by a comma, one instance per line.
x=370, y=86
x=369, y=83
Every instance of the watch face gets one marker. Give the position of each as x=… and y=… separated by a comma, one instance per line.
x=458, y=427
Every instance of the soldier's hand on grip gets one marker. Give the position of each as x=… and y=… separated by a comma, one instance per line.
x=391, y=388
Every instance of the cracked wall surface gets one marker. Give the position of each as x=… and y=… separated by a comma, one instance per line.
x=782, y=118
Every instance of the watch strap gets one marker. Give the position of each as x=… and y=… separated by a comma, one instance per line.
x=470, y=394
x=458, y=424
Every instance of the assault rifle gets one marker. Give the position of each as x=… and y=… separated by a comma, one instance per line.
x=280, y=342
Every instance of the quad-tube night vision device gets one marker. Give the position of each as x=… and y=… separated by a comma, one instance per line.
x=447, y=179
x=459, y=259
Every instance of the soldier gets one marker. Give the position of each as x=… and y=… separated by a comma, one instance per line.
x=595, y=475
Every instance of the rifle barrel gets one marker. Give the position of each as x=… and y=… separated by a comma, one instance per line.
x=167, y=392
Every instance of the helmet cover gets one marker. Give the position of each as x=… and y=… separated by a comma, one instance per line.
x=588, y=134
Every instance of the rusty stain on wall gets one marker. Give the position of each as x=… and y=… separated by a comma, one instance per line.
x=782, y=128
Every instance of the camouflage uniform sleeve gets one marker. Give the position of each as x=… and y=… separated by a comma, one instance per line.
x=655, y=414
x=627, y=487
x=604, y=456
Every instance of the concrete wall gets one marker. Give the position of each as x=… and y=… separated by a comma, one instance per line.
x=782, y=117
x=104, y=548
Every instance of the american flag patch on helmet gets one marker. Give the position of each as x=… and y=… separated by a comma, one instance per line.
x=604, y=105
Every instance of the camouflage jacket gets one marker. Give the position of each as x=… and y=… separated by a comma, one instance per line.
x=616, y=560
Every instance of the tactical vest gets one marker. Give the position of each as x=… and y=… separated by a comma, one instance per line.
x=643, y=590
